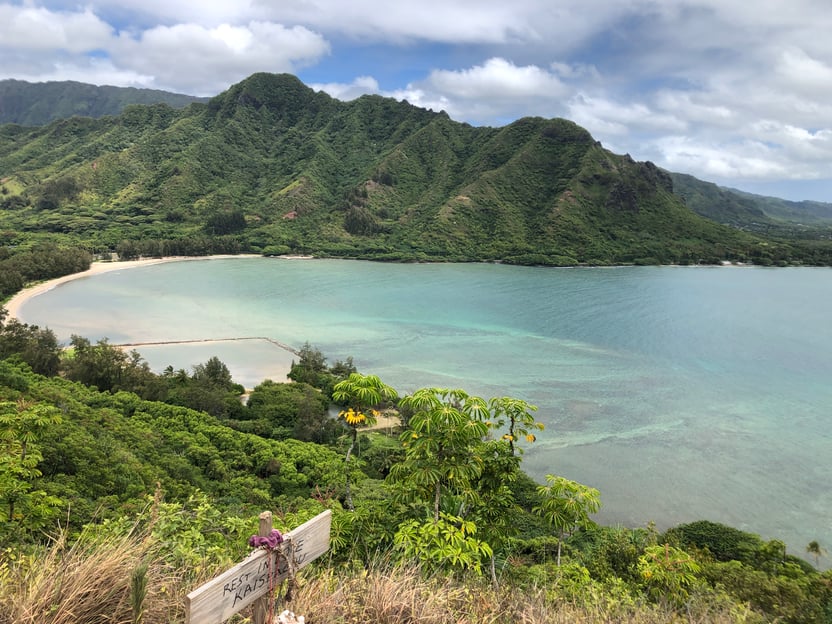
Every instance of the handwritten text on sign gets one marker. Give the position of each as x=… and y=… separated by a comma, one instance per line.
x=235, y=589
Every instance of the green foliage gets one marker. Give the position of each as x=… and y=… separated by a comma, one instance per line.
x=196, y=484
x=440, y=445
x=41, y=261
x=566, y=505
x=790, y=595
x=272, y=166
x=23, y=508
x=110, y=450
x=35, y=104
x=449, y=543
x=668, y=572
x=311, y=369
x=281, y=410
x=360, y=394
x=724, y=543
x=519, y=416
x=33, y=345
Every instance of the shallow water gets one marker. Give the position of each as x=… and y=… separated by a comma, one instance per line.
x=681, y=393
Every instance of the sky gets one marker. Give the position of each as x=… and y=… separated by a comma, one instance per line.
x=730, y=91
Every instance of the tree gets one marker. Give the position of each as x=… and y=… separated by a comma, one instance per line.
x=360, y=395
x=310, y=368
x=520, y=418
x=37, y=347
x=816, y=550
x=440, y=444
x=22, y=424
x=495, y=503
x=566, y=505
x=448, y=542
x=668, y=572
x=213, y=373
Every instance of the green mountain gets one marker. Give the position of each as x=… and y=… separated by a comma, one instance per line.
x=36, y=104
x=749, y=211
x=272, y=166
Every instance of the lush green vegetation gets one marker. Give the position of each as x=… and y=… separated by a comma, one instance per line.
x=36, y=104
x=272, y=167
x=177, y=490
x=111, y=472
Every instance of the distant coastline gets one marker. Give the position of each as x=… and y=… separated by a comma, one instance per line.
x=14, y=304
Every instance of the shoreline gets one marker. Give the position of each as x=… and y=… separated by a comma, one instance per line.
x=20, y=298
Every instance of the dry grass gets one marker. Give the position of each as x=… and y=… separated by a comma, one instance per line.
x=388, y=595
x=89, y=582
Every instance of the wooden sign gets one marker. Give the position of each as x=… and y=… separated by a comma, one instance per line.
x=235, y=589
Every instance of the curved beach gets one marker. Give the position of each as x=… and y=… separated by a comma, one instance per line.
x=277, y=370
x=14, y=304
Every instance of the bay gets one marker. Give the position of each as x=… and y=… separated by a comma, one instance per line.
x=681, y=393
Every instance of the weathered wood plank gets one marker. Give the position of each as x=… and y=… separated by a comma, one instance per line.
x=233, y=590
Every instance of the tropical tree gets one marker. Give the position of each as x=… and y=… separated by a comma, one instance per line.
x=450, y=542
x=359, y=395
x=520, y=419
x=441, y=444
x=667, y=572
x=566, y=505
x=22, y=424
x=816, y=550
x=496, y=507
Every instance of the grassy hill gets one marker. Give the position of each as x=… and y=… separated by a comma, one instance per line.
x=272, y=166
x=36, y=104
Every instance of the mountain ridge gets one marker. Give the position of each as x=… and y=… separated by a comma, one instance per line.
x=38, y=103
x=282, y=168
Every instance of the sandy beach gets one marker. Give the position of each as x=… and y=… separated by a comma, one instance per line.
x=277, y=370
x=14, y=304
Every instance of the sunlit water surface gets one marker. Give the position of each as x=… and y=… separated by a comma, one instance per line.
x=680, y=393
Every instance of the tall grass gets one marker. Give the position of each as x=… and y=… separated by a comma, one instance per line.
x=95, y=579
x=125, y=580
x=401, y=595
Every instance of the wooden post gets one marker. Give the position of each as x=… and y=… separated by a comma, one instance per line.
x=260, y=611
x=241, y=586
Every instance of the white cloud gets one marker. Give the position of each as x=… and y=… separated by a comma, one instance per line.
x=801, y=72
x=497, y=78
x=722, y=86
x=462, y=21
x=745, y=160
x=348, y=91
x=606, y=116
x=205, y=61
x=39, y=29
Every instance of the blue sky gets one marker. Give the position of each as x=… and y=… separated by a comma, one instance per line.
x=734, y=92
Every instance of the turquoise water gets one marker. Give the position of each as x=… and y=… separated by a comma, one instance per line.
x=680, y=393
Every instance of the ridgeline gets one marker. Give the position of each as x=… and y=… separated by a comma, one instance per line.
x=271, y=166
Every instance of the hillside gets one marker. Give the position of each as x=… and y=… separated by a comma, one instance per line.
x=135, y=487
x=272, y=166
x=36, y=104
x=751, y=212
